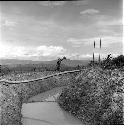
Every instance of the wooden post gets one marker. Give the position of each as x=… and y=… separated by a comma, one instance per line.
x=99, y=59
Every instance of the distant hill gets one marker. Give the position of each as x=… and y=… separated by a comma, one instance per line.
x=72, y=63
x=16, y=61
x=67, y=62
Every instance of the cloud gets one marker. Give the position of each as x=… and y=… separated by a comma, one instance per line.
x=82, y=56
x=113, y=22
x=50, y=50
x=45, y=52
x=90, y=11
x=52, y=3
x=90, y=56
x=8, y=23
x=106, y=41
x=9, y=51
x=75, y=41
x=81, y=2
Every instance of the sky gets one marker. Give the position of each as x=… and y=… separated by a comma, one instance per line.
x=46, y=30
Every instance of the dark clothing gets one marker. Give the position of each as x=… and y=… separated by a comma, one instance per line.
x=58, y=64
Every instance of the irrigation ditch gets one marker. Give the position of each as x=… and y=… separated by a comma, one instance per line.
x=14, y=93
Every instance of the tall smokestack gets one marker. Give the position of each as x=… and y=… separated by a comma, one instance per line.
x=100, y=43
x=93, y=58
x=99, y=58
x=0, y=69
x=94, y=44
x=100, y=49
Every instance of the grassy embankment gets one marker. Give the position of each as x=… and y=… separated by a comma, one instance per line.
x=12, y=96
x=95, y=97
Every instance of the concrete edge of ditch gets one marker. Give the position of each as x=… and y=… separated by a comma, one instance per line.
x=12, y=96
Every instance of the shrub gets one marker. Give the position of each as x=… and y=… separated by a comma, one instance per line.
x=112, y=63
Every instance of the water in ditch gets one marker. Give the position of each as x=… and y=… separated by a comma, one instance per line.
x=46, y=113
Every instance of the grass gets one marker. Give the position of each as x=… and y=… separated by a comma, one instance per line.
x=26, y=76
x=95, y=97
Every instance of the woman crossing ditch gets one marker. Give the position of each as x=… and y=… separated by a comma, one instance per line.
x=59, y=63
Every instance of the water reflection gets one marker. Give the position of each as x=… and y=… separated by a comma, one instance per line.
x=46, y=113
x=50, y=95
x=33, y=121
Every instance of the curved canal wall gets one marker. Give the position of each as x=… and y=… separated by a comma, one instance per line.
x=14, y=93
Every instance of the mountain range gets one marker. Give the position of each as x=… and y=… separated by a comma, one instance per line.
x=66, y=62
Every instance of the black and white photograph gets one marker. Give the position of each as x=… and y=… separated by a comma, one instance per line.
x=62, y=62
